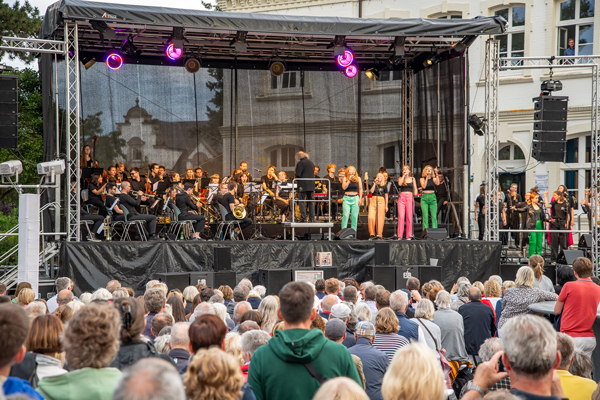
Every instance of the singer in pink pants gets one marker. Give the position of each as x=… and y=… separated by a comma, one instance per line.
x=406, y=202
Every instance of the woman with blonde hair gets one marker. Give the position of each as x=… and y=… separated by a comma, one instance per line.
x=363, y=312
x=213, y=374
x=493, y=292
x=353, y=192
x=45, y=341
x=233, y=346
x=424, y=314
x=340, y=388
x=268, y=309
x=414, y=374
x=189, y=174
x=378, y=206
x=428, y=200
x=26, y=296
x=387, y=338
x=541, y=281
x=406, y=202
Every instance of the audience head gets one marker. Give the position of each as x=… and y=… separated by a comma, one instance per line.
x=64, y=296
x=121, y=292
x=64, y=313
x=370, y=293
x=252, y=315
x=26, y=296
x=340, y=311
x=463, y=289
x=350, y=294
x=296, y=301
x=268, y=309
x=179, y=336
x=240, y=293
x=488, y=348
x=36, y=309
x=582, y=365
x=364, y=329
x=206, y=330
x=246, y=282
x=425, y=309
x=63, y=283
x=413, y=283
x=189, y=293
x=474, y=293
x=320, y=285
x=340, y=388
x=536, y=263
x=261, y=290
x=233, y=346
x=497, y=279
x=217, y=298
x=247, y=326
x=177, y=308
x=566, y=347
x=101, y=294
x=335, y=330
x=213, y=375
x=86, y=298
x=155, y=299
x=329, y=301
x=113, y=285
x=386, y=321
x=443, y=300
x=363, y=312
x=239, y=310
x=525, y=277
x=132, y=316
x=383, y=299
x=45, y=336
x=150, y=379
x=508, y=285
x=332, y=286
x=14, y=328
x=159, y=321
x=582, y=267
x=415, y=374
x=251, y=341
x=203, y=309
x=206, y=293
x=432, y=294
x=492, y=289
x=399, y=301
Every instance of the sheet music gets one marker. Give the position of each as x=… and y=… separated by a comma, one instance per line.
x=263, y=198
x=155, y=186
x=114, y=204
x=166, y=203
x=154, y=204
x=118, y=188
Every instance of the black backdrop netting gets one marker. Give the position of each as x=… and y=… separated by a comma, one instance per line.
x=92, y=265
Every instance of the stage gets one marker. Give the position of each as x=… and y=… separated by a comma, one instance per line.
x=92, y=265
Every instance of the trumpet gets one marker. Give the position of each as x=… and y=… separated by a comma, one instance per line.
x=239, y=212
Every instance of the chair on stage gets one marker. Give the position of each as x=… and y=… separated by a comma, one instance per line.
x=112, y=226
x=176, y=226
x=84, y=198
x=228, y=225
x=127, y=224
x=87, y=224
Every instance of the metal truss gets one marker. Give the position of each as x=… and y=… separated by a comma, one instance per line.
x=73, y=198
x=492, y=56
x=32, y=45
x=407, y=118
x=563, y=62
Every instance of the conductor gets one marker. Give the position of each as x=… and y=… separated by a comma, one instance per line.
x=305, y=169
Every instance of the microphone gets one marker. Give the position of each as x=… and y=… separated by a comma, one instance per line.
x=257, y=170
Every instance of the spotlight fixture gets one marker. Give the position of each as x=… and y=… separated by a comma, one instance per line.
x=477, y=124
x=277, y=68
x=104, y=30
x=398, y=46
x=114, y=60
x=338, y=44
x=462, y=45
x=129, y=48
x=346, y=58
x=177, y=37
x=350, y=71
x=372, y=74
x=173, y=52
x=240, y=42
x=88, y=61
x=551, y=86
x=192, y=65
x=432, y=59
x=10, y=168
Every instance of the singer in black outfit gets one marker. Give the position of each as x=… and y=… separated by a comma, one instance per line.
x=95, y=194
x=131, y=205
x=183, y=201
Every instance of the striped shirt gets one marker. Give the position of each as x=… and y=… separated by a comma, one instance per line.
x=389, y=343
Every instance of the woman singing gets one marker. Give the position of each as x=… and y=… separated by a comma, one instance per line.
x=428, y=200
x=534, y=220
x=282, y=197
x=560, y=215
x=352, y=185
x=95, y=193
x=378, y=206
x=406, y=202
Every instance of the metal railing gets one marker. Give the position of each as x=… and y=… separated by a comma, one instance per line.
x=320, y=225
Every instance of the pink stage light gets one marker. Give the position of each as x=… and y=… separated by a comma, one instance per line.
x=173, y=52
x=350, y=71
x=114, y=61
x=345, y=59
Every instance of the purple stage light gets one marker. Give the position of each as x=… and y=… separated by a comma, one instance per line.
x=345, y=59
x=114, y=61
x=350, y=71
x=173, y=52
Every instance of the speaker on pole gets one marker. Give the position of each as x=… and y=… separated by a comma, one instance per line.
x=550, y=127
x=8, y=111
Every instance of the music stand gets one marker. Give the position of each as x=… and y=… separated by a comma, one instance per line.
x=162, y=187
x=87, y=173
x=204, y=182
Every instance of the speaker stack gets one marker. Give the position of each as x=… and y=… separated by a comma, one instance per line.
x=274, y=279
x=424, y=273
x=549, y=128
x=8, y=111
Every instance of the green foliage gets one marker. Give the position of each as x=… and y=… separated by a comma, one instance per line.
x=6, y=223
x=215, y=115
x=209, y=6
x=19, y=21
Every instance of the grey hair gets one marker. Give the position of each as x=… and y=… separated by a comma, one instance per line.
x=240, y=293
x=162, y=343
x=179, y=335
x=203, y=308
x=102, y=294
x=531, y=345
x=189, y=293
x=488, y=348
x=525, y=277
x=36, y=309
x=496, y=278
x=363, y=312
x=398, y=301
x=246, y=282
x=261, y=290
x=217, y=299
x=268, y=309
x=155, y=299
x=463, y=289
x=474, y=293
x=463, y=279
x=443, y=300
x=221, y=311
x=252, y=340
x=86, y=297
x=582, y=365
x=152, y=283
x=236, y=314
x=62, y=283
x=254, y=293
x=329, y=301
x=566, y=346
x=75, y=306
x=150, y=379
x=300, y=155
x=121, y=292
x=425, y=309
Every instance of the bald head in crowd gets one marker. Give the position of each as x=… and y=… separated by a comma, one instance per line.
x=329, y=301
x=64, y=297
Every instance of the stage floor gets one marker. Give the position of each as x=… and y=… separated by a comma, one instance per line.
x=92, y=265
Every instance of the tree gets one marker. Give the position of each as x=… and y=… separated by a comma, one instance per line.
x=215, y=115
x=20, y=21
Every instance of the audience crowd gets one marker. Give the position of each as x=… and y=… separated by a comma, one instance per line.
x=328, y=340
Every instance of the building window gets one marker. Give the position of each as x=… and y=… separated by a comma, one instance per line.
x=572, y=180
x=504, y=154
x=576, y=21
x=588, y=149
x=511, y=152
x=512, y=44
x=572, y=151
x=389, y=157
x=288, y=80
x=284, y=157
x=450, y=16
x=387, y=75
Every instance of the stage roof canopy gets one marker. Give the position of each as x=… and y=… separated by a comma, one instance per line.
x=300, y=41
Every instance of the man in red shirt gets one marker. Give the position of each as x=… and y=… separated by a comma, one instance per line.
x=578, y=303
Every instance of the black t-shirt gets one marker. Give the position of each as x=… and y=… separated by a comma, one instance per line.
x=227, y=201
x=91, y=194
x=481, y=201
x=269, y=183
x=380, y=190
x=110, y=200
x=560, y=210
x=136, y=186
x=331, y=180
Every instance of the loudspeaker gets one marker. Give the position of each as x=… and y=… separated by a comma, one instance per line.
x=550, y=272
x=424, y=273
x=382, y=275
x=549, y=136
x=313, y=236
x=222, y=259
x=328, y=272
x=435, y=233
x=382, y=253
x=213, y=279
x=347, y=233
x=550, y=127
x=585, y=241
x=566, y=257
x=192, y=65
x=8, y=111
x=508, y=272
x=547, y=156
x=179, y=280
x=274, y=279
x=549, y=147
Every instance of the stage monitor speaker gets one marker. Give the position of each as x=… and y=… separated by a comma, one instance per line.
x=8, y=111
x=424, y=273
x=382, y=275
x=213, y=279
x=274, y=279
x=435, y=233
x=313, y=236
x=585, y=241
x=508, y=272
x=179, y=280
x=222, y=259
x=382, y=253
x=344, y=234
x=567, y=257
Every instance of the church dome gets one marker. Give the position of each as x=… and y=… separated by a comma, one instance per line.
x=137, y=111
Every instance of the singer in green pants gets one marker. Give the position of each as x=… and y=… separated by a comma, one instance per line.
x=428, y=200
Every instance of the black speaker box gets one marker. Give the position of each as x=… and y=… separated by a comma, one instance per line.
x=274, y=279
x=222, y=259
x=347, y=233
x=550, y=126
x=546, y=146
x=567, y=257
x=382, y=275
x=382, y=253
x=585, y=241
x=435, y=233
x=313, y=236
x=179, y=280
x=46, y=288
x=547, y=156
x=424, y=273
x=8, y=111
x=328, y=272
x=508, y=272
x=213, y=279
x=550, y=272
x=550, y=136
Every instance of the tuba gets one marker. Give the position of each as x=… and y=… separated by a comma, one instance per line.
x=239, y=212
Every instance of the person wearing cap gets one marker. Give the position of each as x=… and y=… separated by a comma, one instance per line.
x=375, y=362
x=342, y=312
x=336, y=331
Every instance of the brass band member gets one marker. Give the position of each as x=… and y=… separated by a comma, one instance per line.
x=131, y=205
x=112, y=201
x=240, y=191
x=229, y=202
x=183, y=201
x=353, y=192
x=428, y=200
x=111, y=174
x=282, y=197
x=121, y=172
x=242, y=170
x=95, y=194
x=153, y=175
x=189, y=174
x=378, y=206
x=406, y=202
